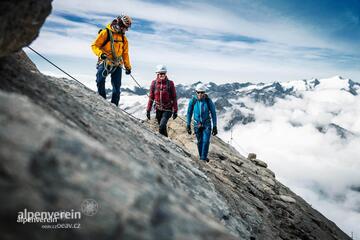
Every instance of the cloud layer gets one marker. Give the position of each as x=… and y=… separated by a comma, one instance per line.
x=323, y=168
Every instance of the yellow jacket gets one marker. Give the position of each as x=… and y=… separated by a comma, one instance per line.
x=121, y=48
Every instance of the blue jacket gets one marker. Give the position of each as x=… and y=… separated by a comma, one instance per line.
x=202, y=117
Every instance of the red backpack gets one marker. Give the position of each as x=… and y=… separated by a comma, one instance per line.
x=167, y=86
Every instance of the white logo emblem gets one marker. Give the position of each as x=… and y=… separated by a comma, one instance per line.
x=89, y=207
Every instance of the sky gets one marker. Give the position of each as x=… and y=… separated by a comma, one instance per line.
x=217, y=41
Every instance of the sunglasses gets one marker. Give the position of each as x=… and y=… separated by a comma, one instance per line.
x=200, y=92
x=120, y=28
x=162, y=73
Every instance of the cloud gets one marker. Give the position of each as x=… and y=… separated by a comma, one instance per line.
x=195, y=44
x=342, y=214
x=323, y=168
x=271, y=26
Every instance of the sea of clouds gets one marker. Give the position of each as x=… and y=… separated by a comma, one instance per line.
x=323, y=168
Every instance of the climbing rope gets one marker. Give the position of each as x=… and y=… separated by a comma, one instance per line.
x=129, y=114
x=77, y=80
x=57, y=66
x=233, y=142
x=183, y=120
x=148, y=94
x=109, y=67
x=241, y=148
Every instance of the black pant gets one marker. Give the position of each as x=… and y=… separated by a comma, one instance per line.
x=162, y=117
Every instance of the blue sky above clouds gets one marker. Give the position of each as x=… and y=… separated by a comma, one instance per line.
x=219, y=41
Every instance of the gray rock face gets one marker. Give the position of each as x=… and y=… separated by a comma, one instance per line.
x=63, y=148
x=20, y=23
x=61, y=143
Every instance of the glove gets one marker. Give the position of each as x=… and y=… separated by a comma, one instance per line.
x=103, y=56
x=148, y=114
x=188, y=129
x=127, y=71
x=174, y=115
x=214, y=131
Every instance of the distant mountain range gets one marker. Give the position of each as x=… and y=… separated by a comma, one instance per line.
x=235, y=102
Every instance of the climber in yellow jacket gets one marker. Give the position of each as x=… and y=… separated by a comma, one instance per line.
x=112, y=49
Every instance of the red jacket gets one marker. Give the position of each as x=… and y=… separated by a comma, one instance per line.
x=164, y=100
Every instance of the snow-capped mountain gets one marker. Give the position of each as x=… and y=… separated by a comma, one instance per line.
x=235, y=102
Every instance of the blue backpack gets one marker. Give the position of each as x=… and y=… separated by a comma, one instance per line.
x=206, y=100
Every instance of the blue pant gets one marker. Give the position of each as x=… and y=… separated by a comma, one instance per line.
x=115, y=82
x=203, y=135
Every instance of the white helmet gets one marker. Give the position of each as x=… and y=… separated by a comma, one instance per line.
x=161, y=69
x=200, y=88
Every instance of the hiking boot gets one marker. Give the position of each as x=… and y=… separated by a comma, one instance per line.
x=205, y=160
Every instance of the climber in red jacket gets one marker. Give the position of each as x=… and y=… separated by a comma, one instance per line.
x=162, y=91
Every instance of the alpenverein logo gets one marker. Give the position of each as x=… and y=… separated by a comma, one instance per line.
x=89, y=207
x=46, y=216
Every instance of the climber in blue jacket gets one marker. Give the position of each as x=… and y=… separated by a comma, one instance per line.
x=202, y=106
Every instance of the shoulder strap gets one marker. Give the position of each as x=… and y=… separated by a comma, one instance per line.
x=207, y=100
x=193, y=103
x=107, y=38
x=154, y=86
x=113, y=52
x=168, y=87
x=123, y=41
x=208, y=105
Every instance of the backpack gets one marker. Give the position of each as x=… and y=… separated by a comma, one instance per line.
x=206, y=100
x=167, y=86
x=108, y=37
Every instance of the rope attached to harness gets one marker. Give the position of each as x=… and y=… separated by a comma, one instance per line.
x=111, y=65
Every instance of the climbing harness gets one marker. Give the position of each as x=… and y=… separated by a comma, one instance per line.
x=111, y=65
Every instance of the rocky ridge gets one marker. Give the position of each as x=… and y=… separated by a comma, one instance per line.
x=61, y=143
x=20, y=23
